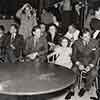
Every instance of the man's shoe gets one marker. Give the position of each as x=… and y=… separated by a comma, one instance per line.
x=81, y=92
x=68, y=96
x=93, y=98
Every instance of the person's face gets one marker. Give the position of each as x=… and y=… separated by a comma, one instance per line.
x=37, y=33
x=71, y=29
x=27, y=10
x=43, y=28
x=1, y=33
x=64, y=43
x=86, y=37
x=52, y=29
x=13, y=30
x=97, y=13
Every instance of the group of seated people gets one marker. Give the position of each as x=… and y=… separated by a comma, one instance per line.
x=74, y=50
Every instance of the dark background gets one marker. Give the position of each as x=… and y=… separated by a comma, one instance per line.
x=9, y=7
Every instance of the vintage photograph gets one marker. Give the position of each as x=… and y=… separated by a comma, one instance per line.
x=49, y=49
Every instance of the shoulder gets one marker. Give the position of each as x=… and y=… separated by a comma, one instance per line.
x=7, y=35
x=77, y=41
x=43, y=38
x=94, y=41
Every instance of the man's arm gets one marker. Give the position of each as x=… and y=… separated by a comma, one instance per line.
x=96, y=55
x=74, y=53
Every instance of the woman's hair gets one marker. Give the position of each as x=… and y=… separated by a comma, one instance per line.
x=84, y=31
x=44, y=25
x=64, y=38
x=74, y=26
x=52, y=25
x=34, y=28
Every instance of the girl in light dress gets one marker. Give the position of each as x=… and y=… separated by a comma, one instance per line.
x=63, y=53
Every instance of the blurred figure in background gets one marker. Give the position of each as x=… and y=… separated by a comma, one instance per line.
x=72, y=33
x=28, y=20
x=46, y=17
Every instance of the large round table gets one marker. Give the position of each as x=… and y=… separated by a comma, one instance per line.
x=33, y=78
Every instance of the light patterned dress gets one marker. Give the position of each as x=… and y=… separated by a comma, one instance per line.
x=64, y=56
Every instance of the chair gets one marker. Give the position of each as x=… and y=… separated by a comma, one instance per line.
x=52, y=57
x=81, y=78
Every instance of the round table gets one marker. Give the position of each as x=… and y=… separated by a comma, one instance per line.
x=31, y=78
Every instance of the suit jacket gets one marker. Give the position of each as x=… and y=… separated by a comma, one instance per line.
x=95, y=24
x=18, y=43
x=56, y=38
x=85, y=54
x=41, y=47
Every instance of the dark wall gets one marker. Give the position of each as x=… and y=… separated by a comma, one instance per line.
x=8, y=7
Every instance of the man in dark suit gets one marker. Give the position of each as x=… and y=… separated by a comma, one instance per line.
x=14, y=44
x=84, y=57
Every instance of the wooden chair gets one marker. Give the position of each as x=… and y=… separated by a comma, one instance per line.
x=51, y=57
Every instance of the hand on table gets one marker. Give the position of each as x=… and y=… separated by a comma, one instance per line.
x=32, y=56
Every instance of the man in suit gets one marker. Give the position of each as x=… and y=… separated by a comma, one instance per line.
x=36, y=47
x=84, y=57
x=14, y=44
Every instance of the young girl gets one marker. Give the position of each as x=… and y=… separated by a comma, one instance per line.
x=63, y=54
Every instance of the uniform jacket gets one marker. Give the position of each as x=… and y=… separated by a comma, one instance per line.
x=85, y=54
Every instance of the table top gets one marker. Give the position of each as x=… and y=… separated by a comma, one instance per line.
x=33, y=78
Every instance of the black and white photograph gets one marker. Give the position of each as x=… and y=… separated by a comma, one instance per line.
x=49, y=49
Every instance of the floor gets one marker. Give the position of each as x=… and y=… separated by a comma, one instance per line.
x=87, y=95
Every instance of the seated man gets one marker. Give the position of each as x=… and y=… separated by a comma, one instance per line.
x=14, y=44
x=36, y=47
x=84, y=57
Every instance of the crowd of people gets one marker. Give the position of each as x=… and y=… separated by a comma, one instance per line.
x=37, y=38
